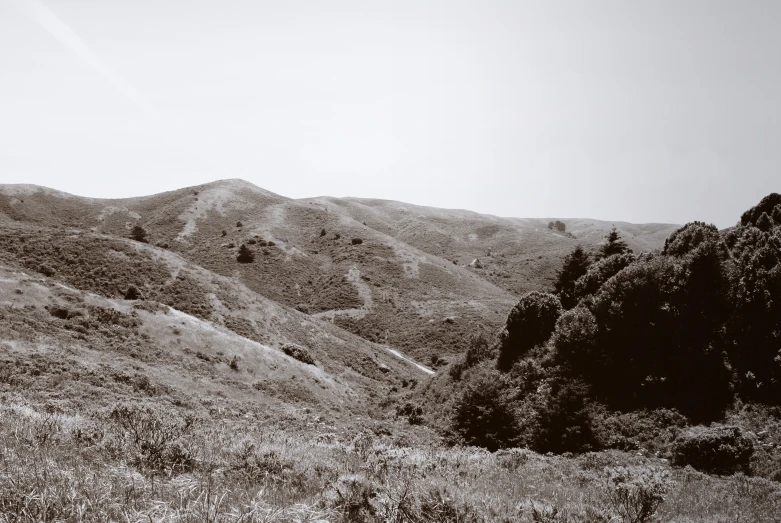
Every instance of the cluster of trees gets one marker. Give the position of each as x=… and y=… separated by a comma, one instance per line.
x=557, y=225
x=689, y=328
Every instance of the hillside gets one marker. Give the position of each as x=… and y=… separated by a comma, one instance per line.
x=166, y=381
x=410, y=283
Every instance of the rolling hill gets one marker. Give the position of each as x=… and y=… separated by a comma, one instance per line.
x=416, y=278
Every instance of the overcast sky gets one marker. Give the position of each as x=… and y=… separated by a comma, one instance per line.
x=652, y=111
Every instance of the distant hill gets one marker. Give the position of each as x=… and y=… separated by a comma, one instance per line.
x=416, y=278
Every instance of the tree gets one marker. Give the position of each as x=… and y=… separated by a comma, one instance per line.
x=765, y=222
x=614, y=244
x=686, y=239
x=767, y=205
x=529, y=324
x=245, y=255
x=483, y=416
x=558, y=225
x=138, y=234
x=576, y=264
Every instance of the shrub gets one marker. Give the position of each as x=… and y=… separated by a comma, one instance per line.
x=530, y=323
x=483, y=416
x=132, y=293
x=719, y=450
x=46, y=270
x=245, y=255
x=298, y=352
x=637, y=492
x=557, y=419
x=479, y=349
x=138, y=234
x=686, y=239
x=766, y=206
x=413, y=413
x=234, y=364
x=155, y=441
x=598, y=273
x=356, y=241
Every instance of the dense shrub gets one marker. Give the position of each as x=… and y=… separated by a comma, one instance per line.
x=557, y=225
x=686, y=239
x=245, y=255
x=766, y=206
x=413, y=413
x=479, y=349
x=132, y=293
x=720, y=450
x=483, y=415
x=598, y=273
x=557, y=419
x=138, y=234
x=530, y=323
x=298, y=352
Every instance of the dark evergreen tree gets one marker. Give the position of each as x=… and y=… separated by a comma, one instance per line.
x=576, y=264
x=138, y=234
x=245, y=255
x=614, y=244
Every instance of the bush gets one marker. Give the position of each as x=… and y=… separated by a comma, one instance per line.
x=598, y=273
x=686, y=239
x=718, y=450
x=530, y=323
x=483, y=416
x=766, y=206
x=155, y=441
x=637, y=492
x=132, y=293
x=298, y=352
x=138, y=234
x=413, y=413
x=356, y=241
x=479, y=349
x=245, y=255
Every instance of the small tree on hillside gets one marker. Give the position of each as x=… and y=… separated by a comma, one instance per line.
x=614, y=244
x=576, y=264
x=245, y=255
x=138, y=234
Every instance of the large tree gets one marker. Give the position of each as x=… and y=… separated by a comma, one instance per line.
x=576, y=264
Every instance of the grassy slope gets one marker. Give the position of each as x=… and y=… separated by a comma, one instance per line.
x=400, y=286
x=108, y=266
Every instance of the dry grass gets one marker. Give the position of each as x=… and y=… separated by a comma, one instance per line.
x=66, y=467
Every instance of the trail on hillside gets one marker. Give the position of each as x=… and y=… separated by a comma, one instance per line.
x=403, y=357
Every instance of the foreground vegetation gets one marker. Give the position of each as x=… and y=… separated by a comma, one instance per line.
x=137, y=463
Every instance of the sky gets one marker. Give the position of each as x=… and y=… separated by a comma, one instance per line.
x=641, y=111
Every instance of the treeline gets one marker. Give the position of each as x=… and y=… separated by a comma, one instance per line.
x=687, y=331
